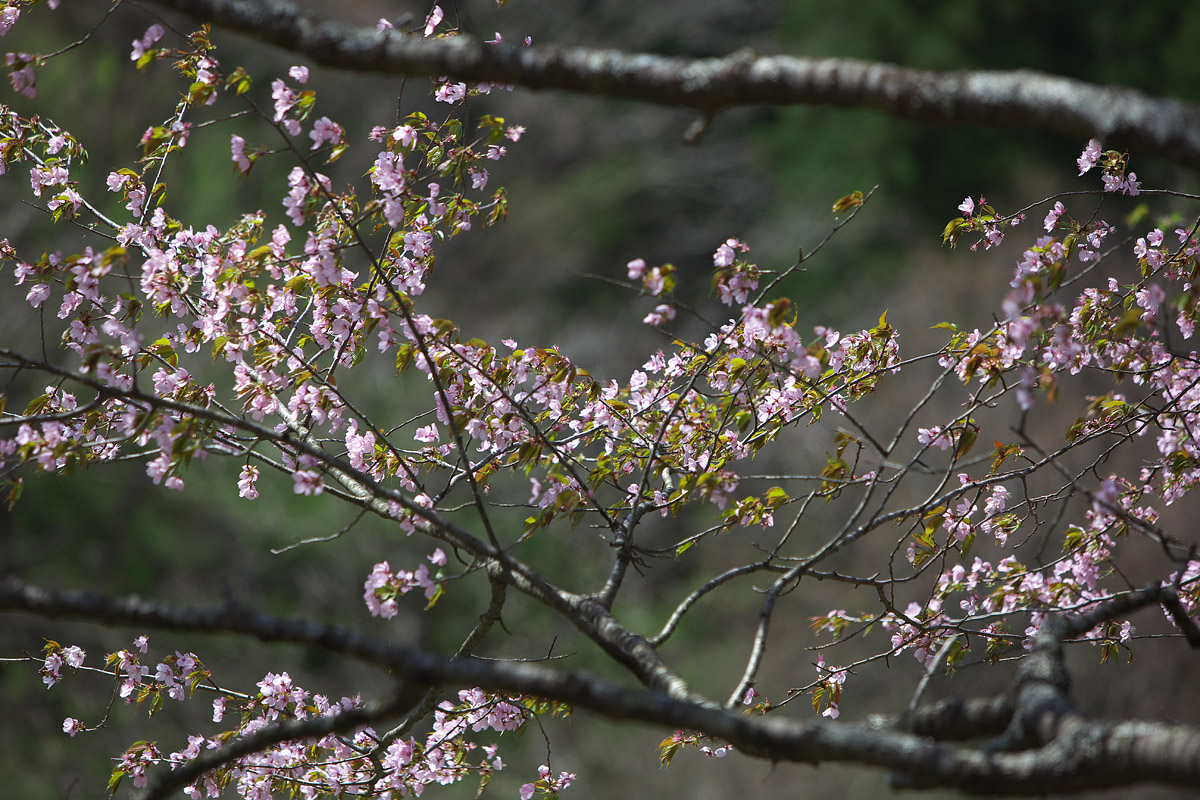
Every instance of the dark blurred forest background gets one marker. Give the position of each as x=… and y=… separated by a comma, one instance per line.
x=594, y=183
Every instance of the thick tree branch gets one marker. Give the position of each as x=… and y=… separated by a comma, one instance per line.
x=1083, y=755
x=1119, y=116
x=955, y=718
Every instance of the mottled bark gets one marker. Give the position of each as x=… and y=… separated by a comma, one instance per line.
x=1118, y=116
x=1048, y=746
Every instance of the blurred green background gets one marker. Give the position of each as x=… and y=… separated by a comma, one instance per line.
x=594, y=183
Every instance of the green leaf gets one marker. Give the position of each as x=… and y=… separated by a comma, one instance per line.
x=1003, y=453
x=1134, y=218
x=966, y=545
x=966, y=441
x=953, y=230
x=336, y=152
x=736, y=367
x=199, y=92
x=1128, y=323
x=775, y=497
x=154, y=139
x=437, y=595
x=239, y=81
x=14, y=494
x=404, y=357
x=114, y=780
x=259, y=253
x=162, y=348
x=933, y=518
x=844, y=204
x=37, y=405
x=780, y=310
x=667, y=750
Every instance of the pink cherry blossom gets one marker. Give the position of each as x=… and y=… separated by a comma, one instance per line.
x=935, y=436
x=1090, y=156
x=661, y=313
x=433, y=20
x=307, y=482
x=247, y=481
x=22, y=76
x=451, y=93
x=1052, y=216
x=140, y=46
x=325, y=131
x=654, y=281
x=9, y=16
x=237, y=146
x=37, y=294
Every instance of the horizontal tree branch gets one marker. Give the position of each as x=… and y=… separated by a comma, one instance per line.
x=1118, y=116
x=956, y=718
x=164, y=783
x=1083, y=755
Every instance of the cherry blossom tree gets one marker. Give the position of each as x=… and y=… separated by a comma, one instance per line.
x=977, y=536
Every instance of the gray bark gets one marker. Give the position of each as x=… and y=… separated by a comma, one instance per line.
x=1118, y=116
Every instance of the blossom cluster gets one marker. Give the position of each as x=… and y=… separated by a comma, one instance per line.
x=286, y=309
x=383, y=585
x=1117, y=326
x=282, y=307
x=546, y=783
x=312, y=768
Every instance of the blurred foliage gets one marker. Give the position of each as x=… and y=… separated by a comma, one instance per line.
x=1145, y=45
